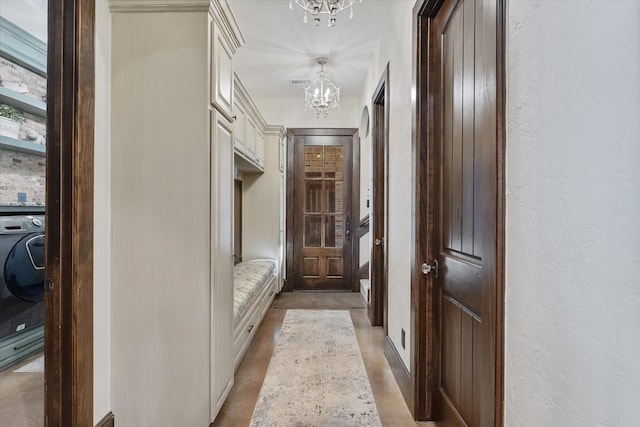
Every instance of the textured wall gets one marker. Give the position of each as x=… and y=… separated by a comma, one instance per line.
x=395, y=49
x=573, y=204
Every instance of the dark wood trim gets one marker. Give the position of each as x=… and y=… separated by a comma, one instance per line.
x=363, y=272
x=421, y=402
x=237, y=220
x=290, y=197
x=423, y=310
x=364, y=223
x=398, y=368
x=378, y=309
x=355, y=211
x=69, y=219
x=107, y=421
x=501, y=210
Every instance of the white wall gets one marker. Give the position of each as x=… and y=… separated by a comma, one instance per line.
x=102, y=216
x=395, y=49
x=160, y=258
x=573, y=210
x=289, y=112
x=260, y=205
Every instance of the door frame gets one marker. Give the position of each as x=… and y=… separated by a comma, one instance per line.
x=378, y=310
x=69, y=214
x=425, y=332
x=290, y=197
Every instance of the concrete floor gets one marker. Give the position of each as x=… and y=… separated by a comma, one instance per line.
x=237, y=410
x=22, y=396
x=22, y=393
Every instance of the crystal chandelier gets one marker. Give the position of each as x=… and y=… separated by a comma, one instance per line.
x=331, y=7
x=322, y=96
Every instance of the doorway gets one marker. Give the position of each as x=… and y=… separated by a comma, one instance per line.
x=323, y=204
x=458, y=278
x=380, y=206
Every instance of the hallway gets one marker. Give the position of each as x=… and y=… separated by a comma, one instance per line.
x=239, y=406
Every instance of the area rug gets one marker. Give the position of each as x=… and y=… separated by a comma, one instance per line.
x=320, y=300
x=316, y=376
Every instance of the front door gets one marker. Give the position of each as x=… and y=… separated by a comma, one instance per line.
x=465, y=234
x=322, y=201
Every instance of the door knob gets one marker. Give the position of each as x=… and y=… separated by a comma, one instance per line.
x=379, y=241
x=428, y=269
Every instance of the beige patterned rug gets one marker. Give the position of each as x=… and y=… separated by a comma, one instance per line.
x=316, y=376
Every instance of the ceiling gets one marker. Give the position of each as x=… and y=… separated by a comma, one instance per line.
x=280, y=47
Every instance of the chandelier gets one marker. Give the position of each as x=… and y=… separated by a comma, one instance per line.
x=322, y=96
x=331, y=7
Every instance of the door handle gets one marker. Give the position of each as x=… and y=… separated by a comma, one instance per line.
x=428, y=269
x=379, y=241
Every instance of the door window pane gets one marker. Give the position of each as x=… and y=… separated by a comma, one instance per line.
x=312, y=162
x=312, y=231
x=334, y=192
x=312, y=196
x=334, y=229
x=333, y=163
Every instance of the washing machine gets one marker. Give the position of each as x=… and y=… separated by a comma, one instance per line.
x=21, y=286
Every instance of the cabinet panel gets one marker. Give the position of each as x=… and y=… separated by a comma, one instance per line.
x=252, y=139
x=260, y=149
x=222, y=258
x=239, y=128
x=222, y=72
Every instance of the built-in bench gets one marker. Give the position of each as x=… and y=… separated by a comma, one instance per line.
x=254, y=287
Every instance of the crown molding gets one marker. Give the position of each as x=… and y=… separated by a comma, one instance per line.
x=279, y=130
x=133, y=6
x=225, y=18
x=242, y=96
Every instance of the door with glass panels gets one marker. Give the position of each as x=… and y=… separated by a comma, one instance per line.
x=322, y=212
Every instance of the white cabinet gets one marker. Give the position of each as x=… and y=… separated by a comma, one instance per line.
x=221, y=71
x=252, y=139
x=221, y=151
x=260, y=148
x=239, y=128
x=249, y=137
x=176, y=50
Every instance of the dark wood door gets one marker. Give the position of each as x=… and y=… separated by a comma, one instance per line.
x=322, y=237
x=465, y=231
x=380, y=209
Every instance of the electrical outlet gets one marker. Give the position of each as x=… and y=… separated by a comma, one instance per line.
x=402, y=334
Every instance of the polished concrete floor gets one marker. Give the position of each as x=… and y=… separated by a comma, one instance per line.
x=238, y=408
x=22, y=393
x=22, y=396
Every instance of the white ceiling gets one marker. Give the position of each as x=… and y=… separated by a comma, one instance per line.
x=280, y=47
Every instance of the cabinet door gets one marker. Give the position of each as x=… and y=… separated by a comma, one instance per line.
x=239, y=128
x=252, y=139
x=260, y=148
x=222, y=260
x=222, y=72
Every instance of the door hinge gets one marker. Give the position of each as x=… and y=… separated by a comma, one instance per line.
x=428, y=269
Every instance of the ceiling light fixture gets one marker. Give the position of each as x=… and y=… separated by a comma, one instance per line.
x=331, y=7
x=322, y=96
